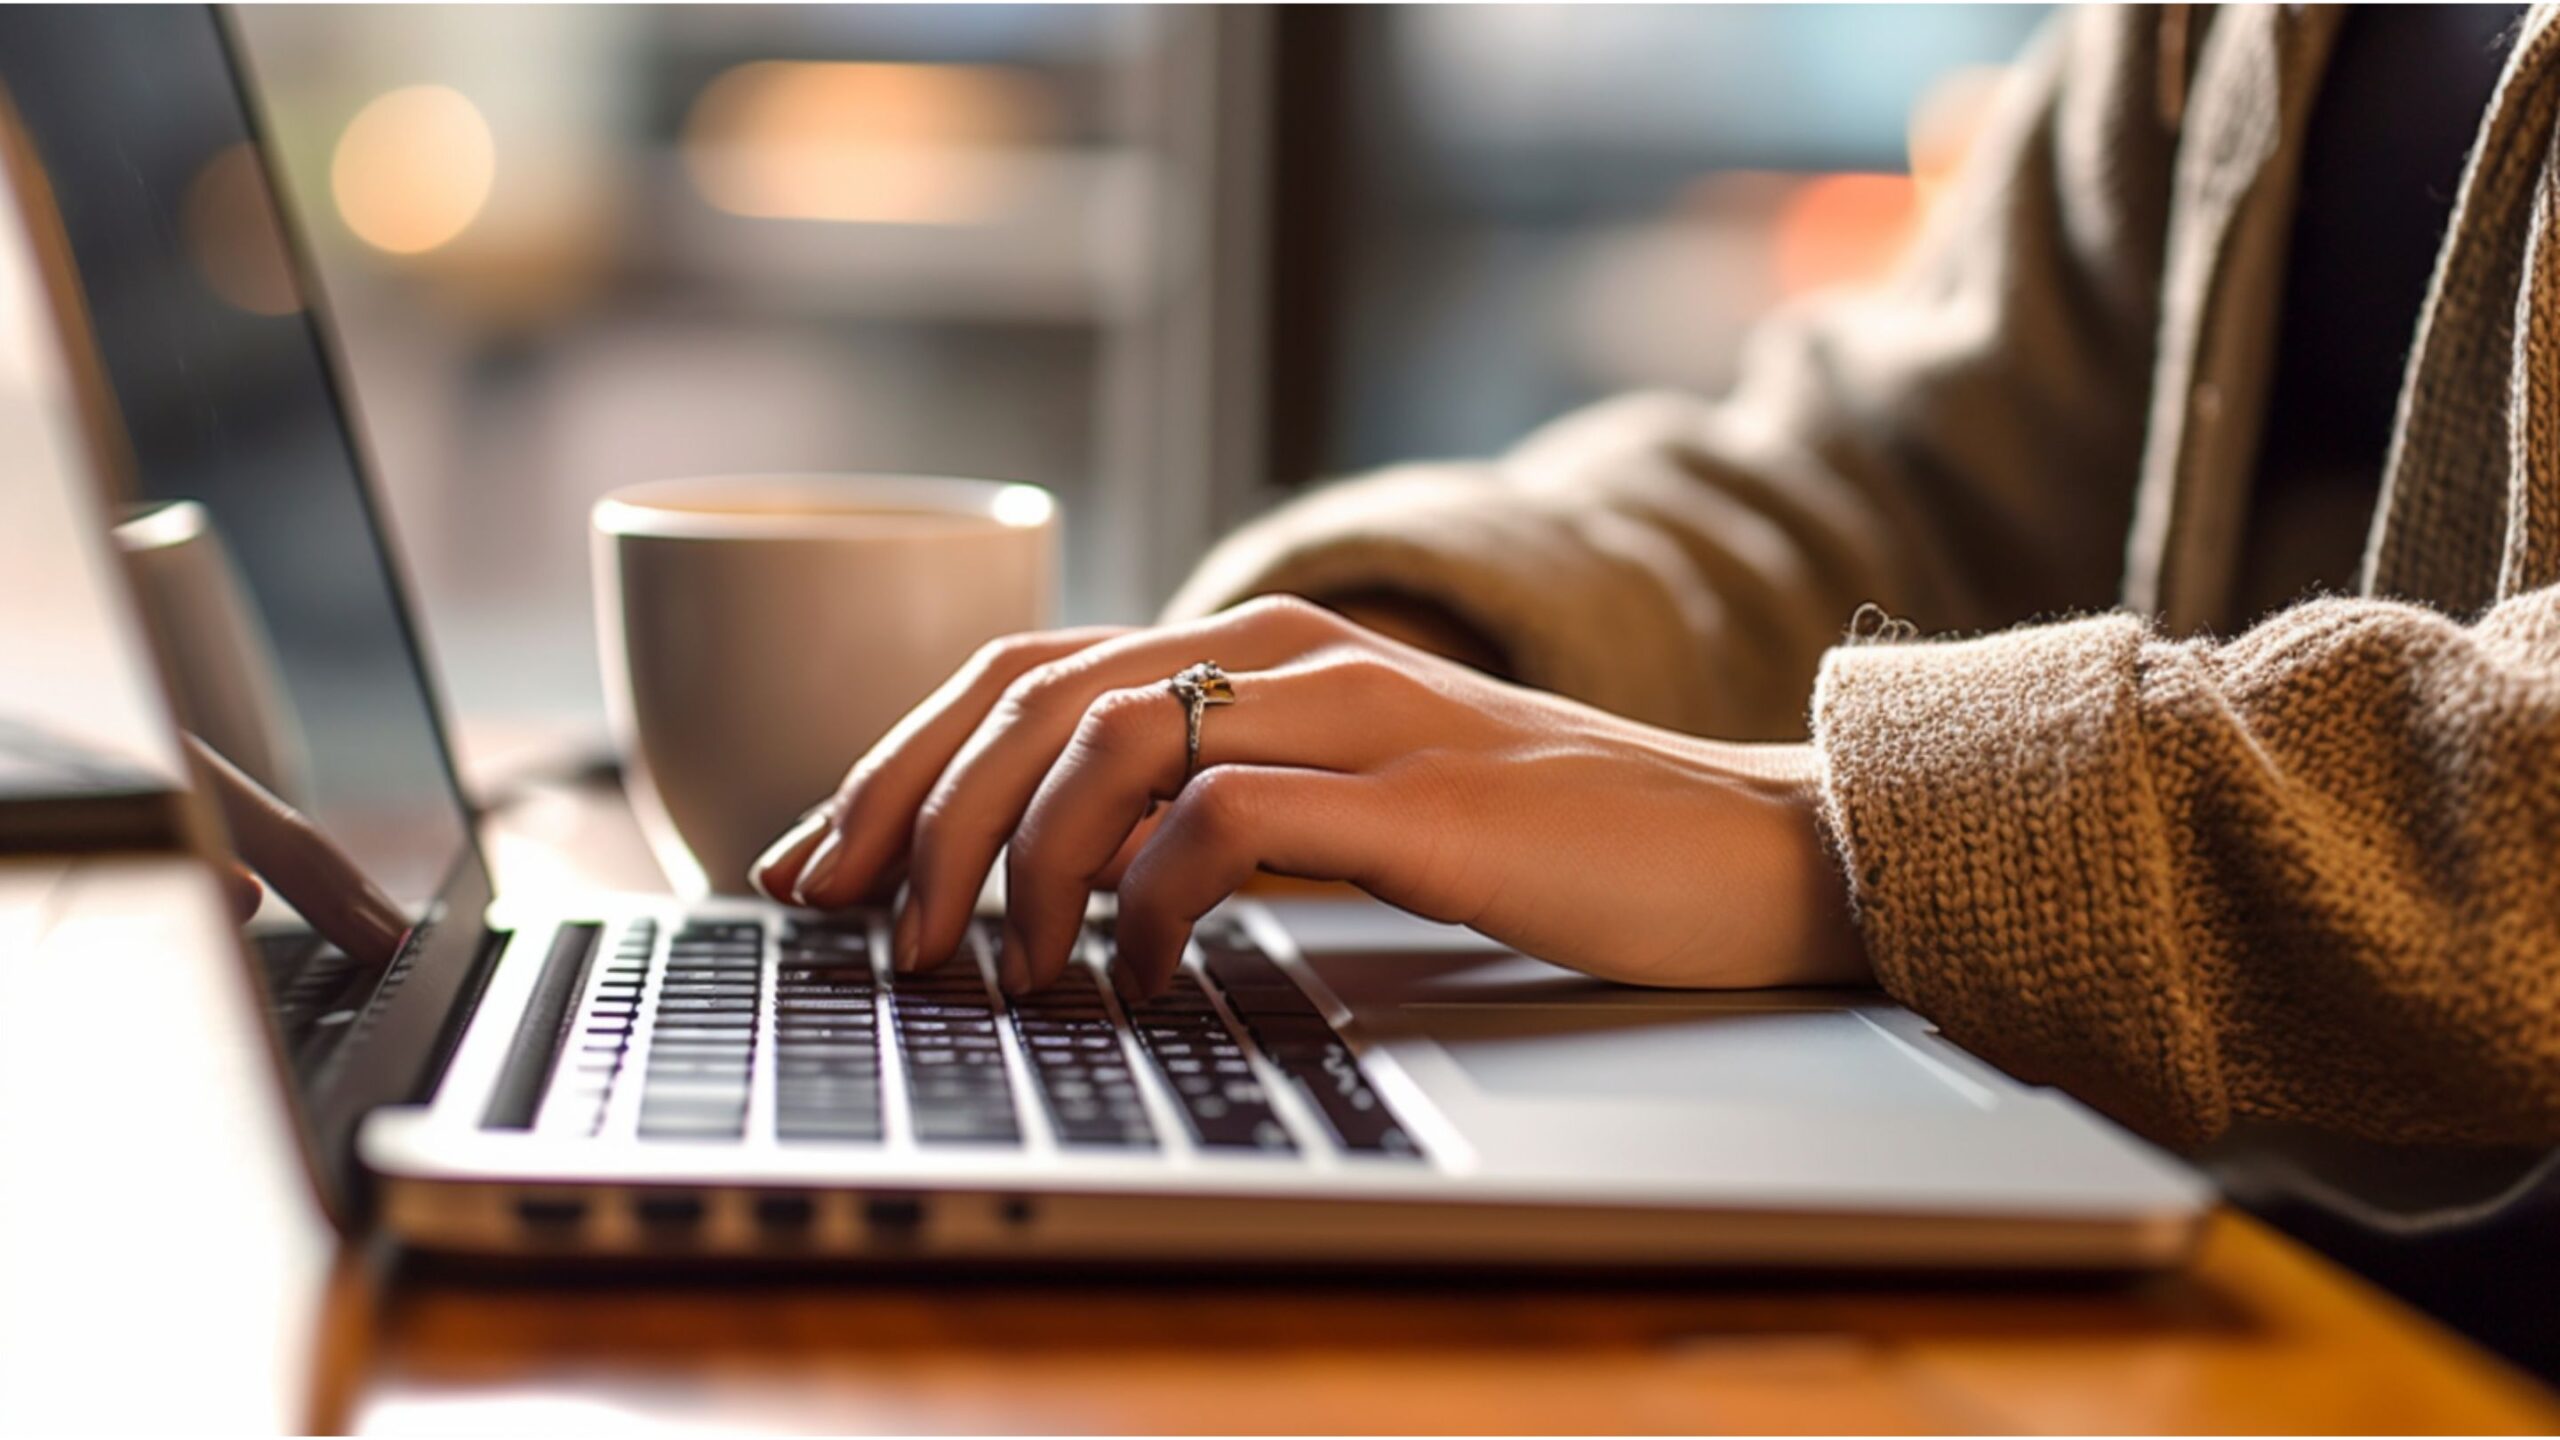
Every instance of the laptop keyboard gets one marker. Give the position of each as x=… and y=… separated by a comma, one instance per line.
x=826, y=1037
x=315, y=991
x=849, y=1047
x=1079, y=1066
x=702, y=1040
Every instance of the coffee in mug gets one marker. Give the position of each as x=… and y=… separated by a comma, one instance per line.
x=761, y=632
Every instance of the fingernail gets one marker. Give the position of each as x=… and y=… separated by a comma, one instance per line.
x=801, y=829
x=902, y=945
x=823, y=864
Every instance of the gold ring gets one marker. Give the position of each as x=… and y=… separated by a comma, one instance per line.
x=1198, y=688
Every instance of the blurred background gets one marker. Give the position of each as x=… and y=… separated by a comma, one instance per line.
x=1170, y=262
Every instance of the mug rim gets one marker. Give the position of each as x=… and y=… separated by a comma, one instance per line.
x=161, y=525
x=648, y=509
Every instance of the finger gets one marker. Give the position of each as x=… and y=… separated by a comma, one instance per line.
x=783, y=860
x=307, y=869
x=972, y=809
x=1135, y=841
x=240, y=885
x=1338, y=711
x=1234, y=820
x=866, y=830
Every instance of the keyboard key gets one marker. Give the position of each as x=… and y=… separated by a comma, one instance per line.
x=826, y=1039
x=831, y=1040
x=703, y=1005
x=1243, y=1130
x=1297, y=1038
x=945, y=1125
x=1329, y=1076
x=1216, y=1120
x=681, y=1122
x=839, y=1128
x=1232, y=967
x=1066, y=1028
x=787, y=1004
x=1254, y=1001
x=702, y=1039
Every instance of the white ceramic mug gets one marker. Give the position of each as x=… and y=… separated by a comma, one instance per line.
x=760, y=632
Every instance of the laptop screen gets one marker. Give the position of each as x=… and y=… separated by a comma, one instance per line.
x=286, y=632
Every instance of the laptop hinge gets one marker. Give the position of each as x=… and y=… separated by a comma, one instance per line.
x=466, y=1004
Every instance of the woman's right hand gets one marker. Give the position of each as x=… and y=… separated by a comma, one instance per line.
x=1577, y=836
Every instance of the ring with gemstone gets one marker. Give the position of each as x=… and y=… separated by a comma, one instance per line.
x=1198, y=688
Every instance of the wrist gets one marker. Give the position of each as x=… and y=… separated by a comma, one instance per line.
x=1829, y=949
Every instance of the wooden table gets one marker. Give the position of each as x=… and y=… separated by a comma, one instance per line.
x=2260, y=1336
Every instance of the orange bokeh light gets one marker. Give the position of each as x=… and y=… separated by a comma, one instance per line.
x=1844, y=230
x=863, y=142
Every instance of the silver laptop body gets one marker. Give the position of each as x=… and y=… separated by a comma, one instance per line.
x=570, y=1075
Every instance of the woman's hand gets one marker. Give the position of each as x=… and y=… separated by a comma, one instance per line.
x=1567, y=833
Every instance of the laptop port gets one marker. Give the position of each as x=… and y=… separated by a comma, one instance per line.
x=893, y=1217
x=551, y=1214
x=786, y=1214
x=669, y=1212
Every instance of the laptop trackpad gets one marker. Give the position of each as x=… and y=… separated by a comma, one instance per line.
x=1766, y=1057
x=1519, y=1029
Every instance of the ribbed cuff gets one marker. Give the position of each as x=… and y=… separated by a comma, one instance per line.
x=2007, y=859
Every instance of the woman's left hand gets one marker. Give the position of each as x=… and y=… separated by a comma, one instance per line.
x=1585, y=839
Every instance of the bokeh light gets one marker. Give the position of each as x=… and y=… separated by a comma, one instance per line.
x=863, y=142
x=413, y=169
x=1844, y=230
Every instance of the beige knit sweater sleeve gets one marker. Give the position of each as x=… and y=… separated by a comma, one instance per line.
x=2306, y=874
x=1959, y=446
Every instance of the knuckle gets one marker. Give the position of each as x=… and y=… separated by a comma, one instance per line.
x=1369, y=673
x=1287, y=615
x=1218, y=806
x=1041, y=687
x=1005, y=654
x=1119, y=723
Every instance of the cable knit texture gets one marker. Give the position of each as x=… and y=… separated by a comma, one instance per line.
x=2309, y=872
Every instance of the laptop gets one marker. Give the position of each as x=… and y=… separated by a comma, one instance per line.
x=586, y=1075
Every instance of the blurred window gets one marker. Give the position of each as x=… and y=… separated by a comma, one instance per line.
x=1503, y=212
x=1166, y=261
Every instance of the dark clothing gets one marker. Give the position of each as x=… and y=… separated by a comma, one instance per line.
x=2392, y=125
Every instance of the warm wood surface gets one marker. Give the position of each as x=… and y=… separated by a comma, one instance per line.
x=2260, y=1336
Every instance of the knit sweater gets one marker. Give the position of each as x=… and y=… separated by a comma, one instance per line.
x=2301, y=872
